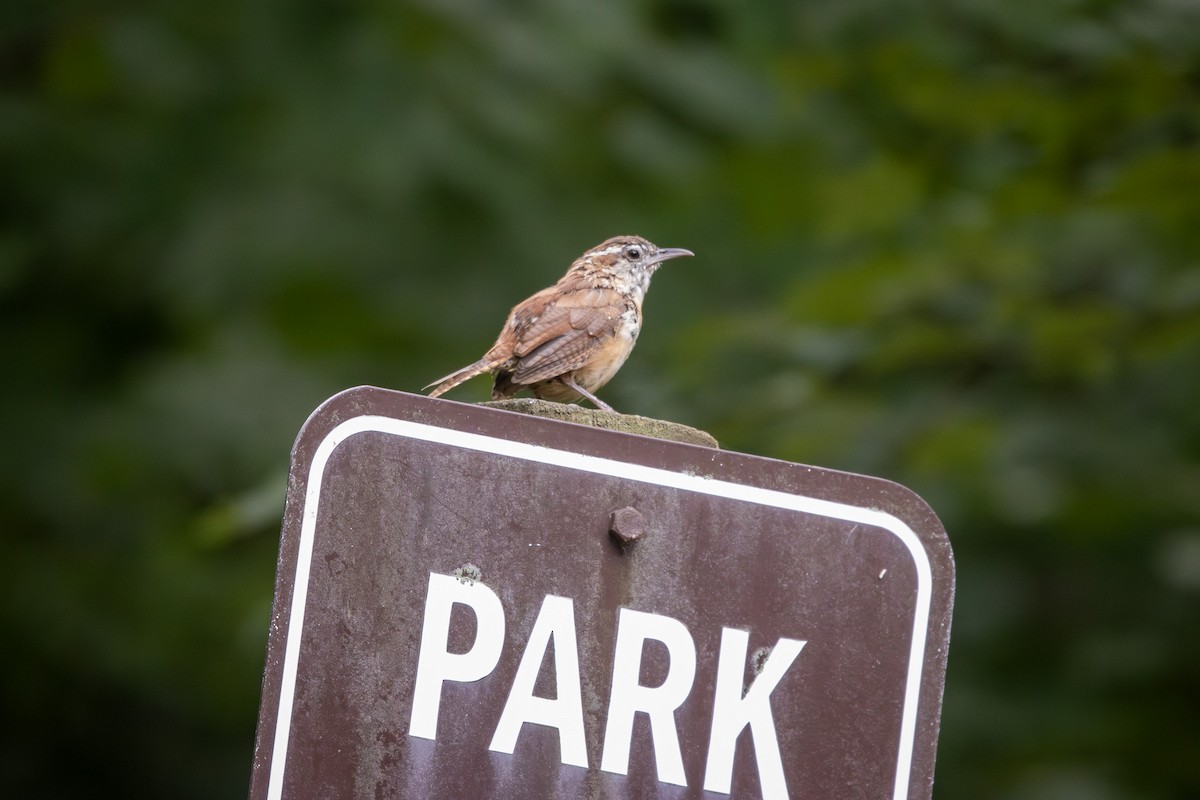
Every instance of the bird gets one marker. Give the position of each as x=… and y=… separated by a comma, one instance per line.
x=568, y=340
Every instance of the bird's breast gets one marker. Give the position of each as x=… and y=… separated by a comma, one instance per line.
x=611, y=353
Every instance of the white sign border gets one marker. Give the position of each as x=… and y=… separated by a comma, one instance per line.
x=598, y=466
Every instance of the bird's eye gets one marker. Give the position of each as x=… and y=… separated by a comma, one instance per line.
x=633, y=253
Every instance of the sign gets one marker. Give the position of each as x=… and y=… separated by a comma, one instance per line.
x=477, y=603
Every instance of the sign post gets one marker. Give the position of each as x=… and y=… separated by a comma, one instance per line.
x=477, y=603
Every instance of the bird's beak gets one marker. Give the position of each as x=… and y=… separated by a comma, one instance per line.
x=667, y=253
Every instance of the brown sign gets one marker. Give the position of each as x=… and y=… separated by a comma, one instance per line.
x=477, y=603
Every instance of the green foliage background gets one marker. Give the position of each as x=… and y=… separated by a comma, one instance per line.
x=955, y=244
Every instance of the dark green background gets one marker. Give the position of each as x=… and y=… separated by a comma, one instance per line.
x=955, y=244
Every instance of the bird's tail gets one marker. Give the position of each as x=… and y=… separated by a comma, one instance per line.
x=459, y=376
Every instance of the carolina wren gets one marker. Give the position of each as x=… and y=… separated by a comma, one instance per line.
x=568, y=340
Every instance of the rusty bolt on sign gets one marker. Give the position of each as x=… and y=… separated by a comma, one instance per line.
x=627, y=526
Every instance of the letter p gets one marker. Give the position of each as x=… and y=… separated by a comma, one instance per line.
x=435, y=663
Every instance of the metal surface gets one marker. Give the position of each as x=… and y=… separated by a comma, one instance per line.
x=404, y=514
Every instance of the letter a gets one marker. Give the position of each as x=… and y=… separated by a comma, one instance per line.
x=556, y=619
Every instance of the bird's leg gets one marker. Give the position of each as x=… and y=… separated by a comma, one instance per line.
x=600, y=404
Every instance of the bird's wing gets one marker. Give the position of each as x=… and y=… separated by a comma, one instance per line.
x=560, y=336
